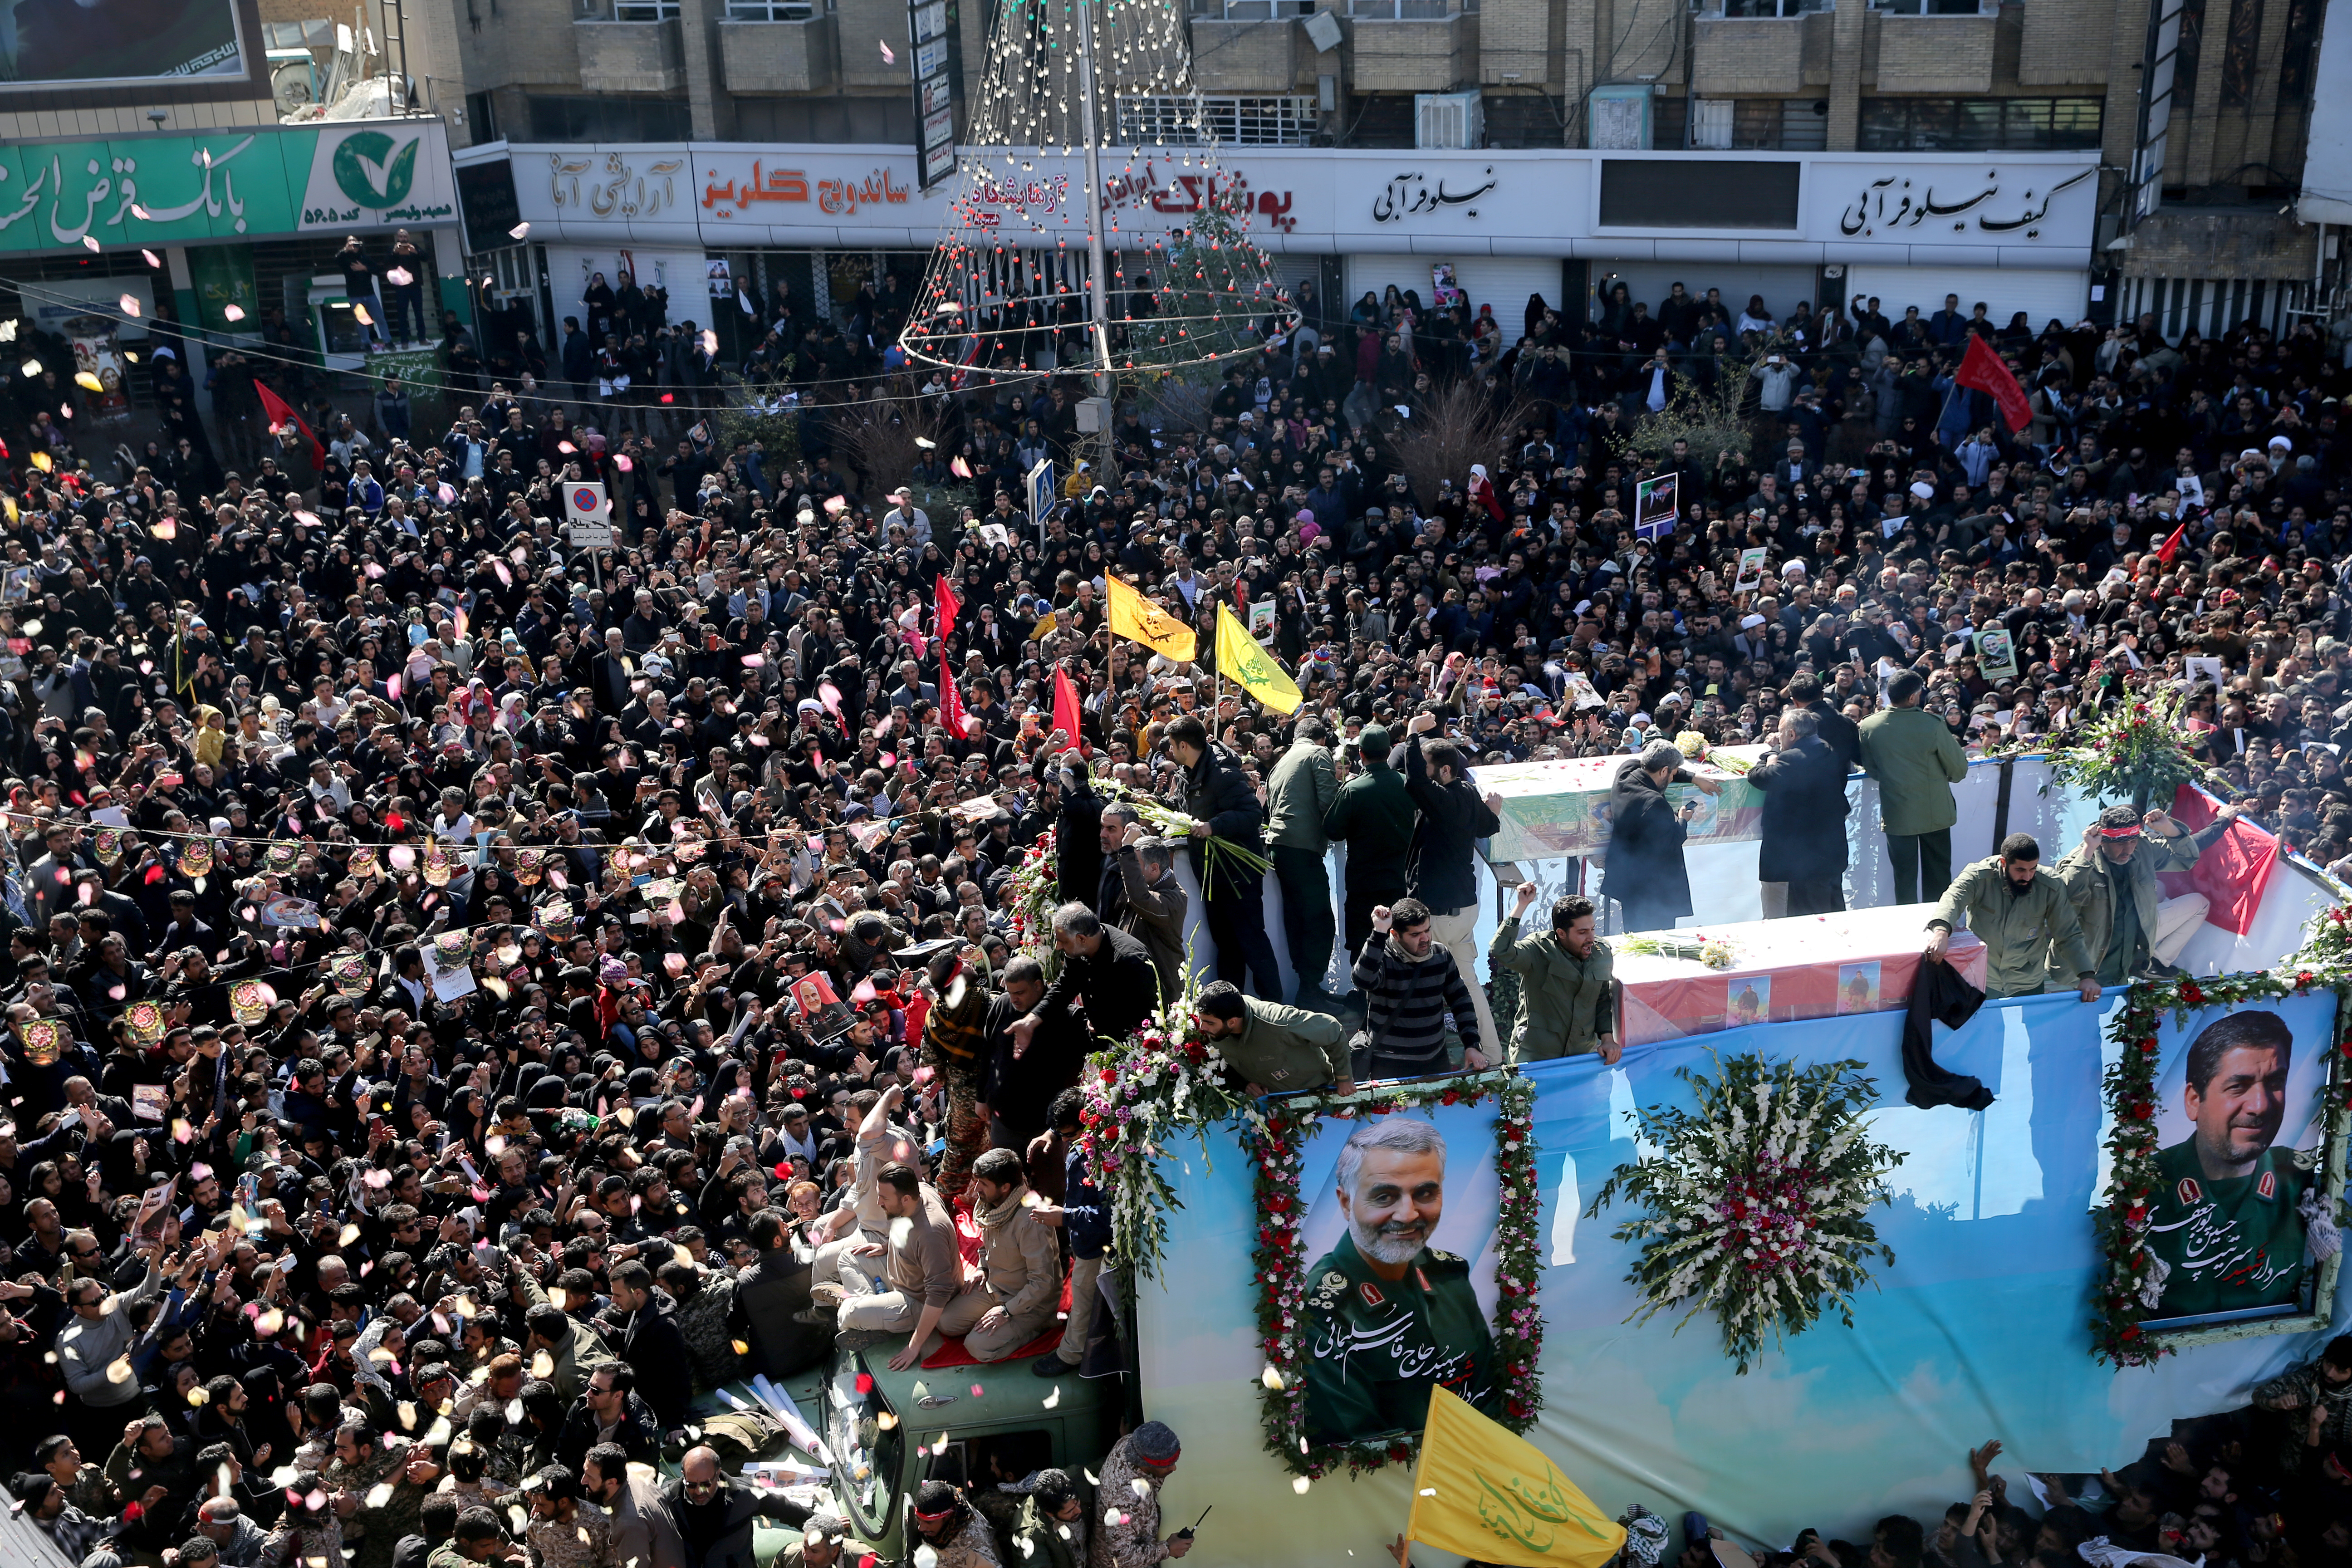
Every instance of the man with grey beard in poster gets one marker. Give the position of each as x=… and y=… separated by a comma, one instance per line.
x=1388, y=1316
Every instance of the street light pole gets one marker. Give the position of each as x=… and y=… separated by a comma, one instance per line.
x=1100, y=291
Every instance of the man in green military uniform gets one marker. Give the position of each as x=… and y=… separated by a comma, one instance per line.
x=1388, y=1316
x=2022, y=915
x=2128, y=924
x=2226, y=1219
x=1275, y=1050
x=1564, y=982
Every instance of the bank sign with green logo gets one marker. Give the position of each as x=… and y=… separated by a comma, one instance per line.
x=224, y=185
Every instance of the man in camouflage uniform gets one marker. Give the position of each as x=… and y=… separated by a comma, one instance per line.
x=566, y=1530
x=1127, y=1533
x=706, y=1299
x=2318, y=1391
x=1389, y=1317
x=955, y=1043
x=383, y=1485
x=952, y=1528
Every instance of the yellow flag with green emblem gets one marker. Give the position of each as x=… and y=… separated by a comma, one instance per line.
x=1240, y=658
x=1138, y=619
x=1493, y=1497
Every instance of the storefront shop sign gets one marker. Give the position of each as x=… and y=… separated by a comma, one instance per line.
x=223, y=185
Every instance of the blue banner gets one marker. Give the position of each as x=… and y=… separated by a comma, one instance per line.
x=1976, y=1330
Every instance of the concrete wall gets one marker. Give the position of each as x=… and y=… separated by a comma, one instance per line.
x=630, y=56
x=777, y=56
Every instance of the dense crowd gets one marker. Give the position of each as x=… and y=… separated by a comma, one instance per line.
x=466, y=993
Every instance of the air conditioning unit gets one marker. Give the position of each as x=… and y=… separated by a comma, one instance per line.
x=1448, y=120
x=293, y=80
x=1711, y=121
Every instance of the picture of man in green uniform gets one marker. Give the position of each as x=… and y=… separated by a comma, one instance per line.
x=1388, y=1317
x=2225, y=1221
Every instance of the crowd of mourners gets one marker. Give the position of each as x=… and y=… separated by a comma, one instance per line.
x=467, y=995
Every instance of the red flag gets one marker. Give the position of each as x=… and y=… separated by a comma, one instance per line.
x=280, y=415
x=1982, y=370
x=945, y=607
x=1065, y=708
x=2166, y=550
x=951, y=701
x=2232, y=873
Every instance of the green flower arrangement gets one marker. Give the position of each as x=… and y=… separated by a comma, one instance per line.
x=2136, y=750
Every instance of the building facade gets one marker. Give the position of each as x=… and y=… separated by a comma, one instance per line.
x=1725, y=144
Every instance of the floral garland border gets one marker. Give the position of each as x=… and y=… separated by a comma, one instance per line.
x=1280, y=1260
x=2117, y=1309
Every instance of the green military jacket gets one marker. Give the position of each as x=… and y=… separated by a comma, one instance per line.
x=1374, y=1349
x=1566, y=1003
x=1302, y=787
x=1373, y=815
x=2231, y=1243
x=1283, y=1049
x=1912, y=754
x=2028, y=936
x=2092, y=884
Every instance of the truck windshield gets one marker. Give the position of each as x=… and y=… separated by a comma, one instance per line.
x=866, y=1439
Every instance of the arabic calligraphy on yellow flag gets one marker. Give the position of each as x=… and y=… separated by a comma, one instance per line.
x=1493, y=1497
x=1138, y=619
x=1240, y=658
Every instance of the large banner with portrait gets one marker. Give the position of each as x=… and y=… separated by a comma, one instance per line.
x=2238, y=1097
x=1399, y=1226
x=1978, y=1328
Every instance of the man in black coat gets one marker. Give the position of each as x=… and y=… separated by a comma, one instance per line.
x=642, y=1326
x=1450, y=821
x=1840, y=734
x=1224, y=805
x=1104, y=968
x=716, y=1517
x=1077, y=832
x=1804, y=820
x=1644, y=871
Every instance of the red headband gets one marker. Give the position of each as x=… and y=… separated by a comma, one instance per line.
x=2131, y=832
x=935, y=1518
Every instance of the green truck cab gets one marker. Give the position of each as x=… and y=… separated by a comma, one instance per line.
x=886, y=1432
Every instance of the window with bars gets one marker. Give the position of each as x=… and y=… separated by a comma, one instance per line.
x=1252, y=10
x=1767, y=7
x=319, y=34
x=624, y=10
x=1284, y=121
x=774, y=10
x=1980, y=124
x=1935, y=8
x=1402, y=10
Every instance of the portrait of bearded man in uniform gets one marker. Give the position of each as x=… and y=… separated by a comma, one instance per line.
x=2225, y=1221
x=1388, y=1316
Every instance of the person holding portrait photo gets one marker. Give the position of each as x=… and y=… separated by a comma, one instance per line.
x=1389, y=1317
x=2226, y=1219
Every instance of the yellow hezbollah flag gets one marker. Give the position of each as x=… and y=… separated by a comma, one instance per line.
x=1240, y=658
x=1046, y=623
x=1138, y=619
x=1494, y=1496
